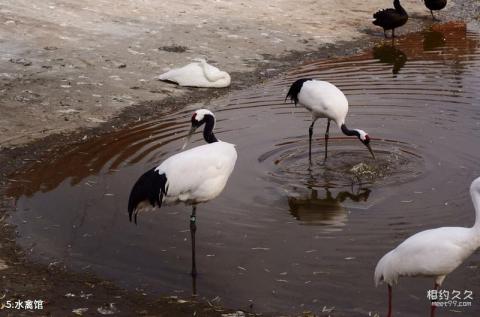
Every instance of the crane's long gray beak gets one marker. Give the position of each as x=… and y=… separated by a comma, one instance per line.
x=370, y=149
x=189, y=136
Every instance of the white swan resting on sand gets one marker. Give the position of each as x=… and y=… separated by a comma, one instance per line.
x=198, y=74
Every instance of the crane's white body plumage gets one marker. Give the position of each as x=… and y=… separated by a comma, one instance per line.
x=193, y=176
x=199, y=174
x=324, y=100
x=198, y=74
x=434, y=253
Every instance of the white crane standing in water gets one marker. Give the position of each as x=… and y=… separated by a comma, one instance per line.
x=324, y=100
x=434, y=252
x=192, y=177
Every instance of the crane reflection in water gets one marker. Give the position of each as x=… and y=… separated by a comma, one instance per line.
x=326, y=210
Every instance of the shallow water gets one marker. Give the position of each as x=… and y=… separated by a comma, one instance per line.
x=283, y=237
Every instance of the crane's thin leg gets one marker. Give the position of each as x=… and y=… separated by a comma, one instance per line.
x=432, y=307
x=326, y=139
x=433, y=17
x=393, y=33
x=389, y=301
x=385, y=33
x=310, y=133
x=193, y=229
x=194, y=286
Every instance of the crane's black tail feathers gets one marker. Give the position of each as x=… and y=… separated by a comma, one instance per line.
x=151, y=187
x=295, y=90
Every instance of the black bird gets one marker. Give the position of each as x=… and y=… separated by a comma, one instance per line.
x=389, y=19
x=436, y=5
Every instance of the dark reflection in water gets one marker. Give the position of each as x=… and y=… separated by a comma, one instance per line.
x=108, y=152
x=326, y=210
x=389, y=54
x=433, y=40
x=425, y=124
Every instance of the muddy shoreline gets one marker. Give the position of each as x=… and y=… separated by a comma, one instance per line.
x=24, y=279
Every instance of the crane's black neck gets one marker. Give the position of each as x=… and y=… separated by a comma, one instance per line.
x=208, y=130
x=349, y=132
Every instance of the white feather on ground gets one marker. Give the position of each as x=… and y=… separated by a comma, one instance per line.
x=198, y=74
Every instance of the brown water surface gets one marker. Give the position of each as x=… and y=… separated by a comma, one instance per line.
x=282, y=236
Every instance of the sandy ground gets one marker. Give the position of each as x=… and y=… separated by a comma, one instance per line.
x=67, y=64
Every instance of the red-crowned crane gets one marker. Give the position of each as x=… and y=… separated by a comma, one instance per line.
x=192, y=177
x=324, y=100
